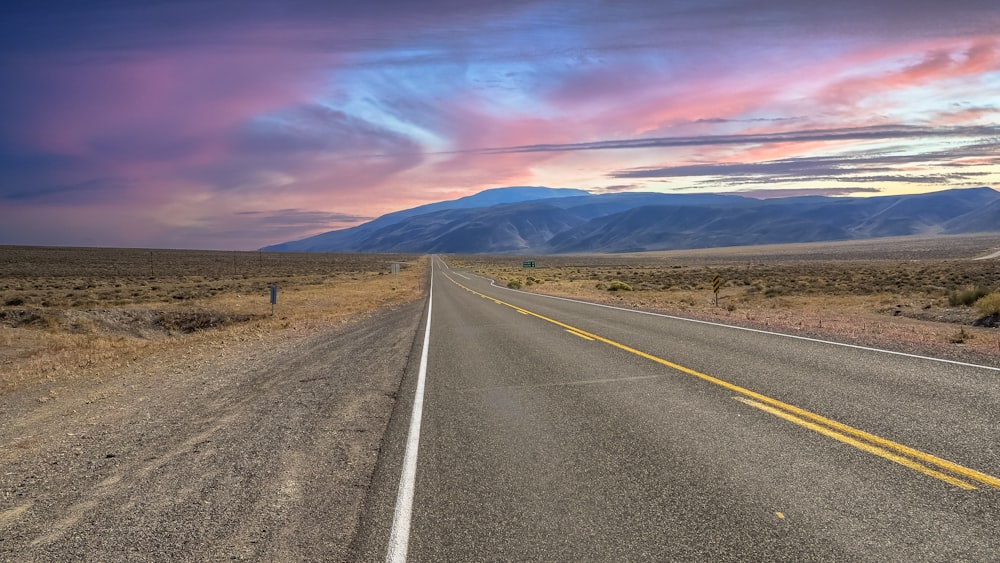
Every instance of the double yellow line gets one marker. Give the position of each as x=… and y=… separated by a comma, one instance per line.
x=930, y=465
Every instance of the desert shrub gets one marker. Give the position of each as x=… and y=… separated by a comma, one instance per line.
x=601, y=285
x=959, y=337
x=619, y=286
x=17, y=319
x=199, y=320
x=514, y=284
x=968, y=296
x=989, y=305
x=14, y=302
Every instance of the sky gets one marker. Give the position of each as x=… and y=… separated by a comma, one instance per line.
x=237, y=124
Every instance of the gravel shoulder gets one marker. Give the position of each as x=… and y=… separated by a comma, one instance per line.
x=259, y=449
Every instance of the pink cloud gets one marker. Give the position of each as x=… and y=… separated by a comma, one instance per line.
x=825, y=92
x=144, y=112
x=768, y=152
x=942, y=60
x=968, y=115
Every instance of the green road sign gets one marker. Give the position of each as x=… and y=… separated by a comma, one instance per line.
x=528, y=264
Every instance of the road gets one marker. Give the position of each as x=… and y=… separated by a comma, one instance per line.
x=554, y=430
x=989, y=256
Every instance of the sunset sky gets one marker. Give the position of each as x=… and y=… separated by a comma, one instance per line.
x=237, y=124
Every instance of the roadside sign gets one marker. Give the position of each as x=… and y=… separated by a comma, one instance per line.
x=274, y=296
x=394, y=268
x=528, y=264
x=716, y=284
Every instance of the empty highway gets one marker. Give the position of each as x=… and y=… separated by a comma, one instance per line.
x=535, y=428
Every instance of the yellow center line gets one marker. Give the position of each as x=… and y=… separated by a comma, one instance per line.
x=872, y=449
x=575, y=333
x=791, y=409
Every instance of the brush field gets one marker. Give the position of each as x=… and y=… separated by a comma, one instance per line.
x=913, y=294
x=70, y=312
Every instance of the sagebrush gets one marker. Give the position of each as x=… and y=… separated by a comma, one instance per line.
x=989, y=305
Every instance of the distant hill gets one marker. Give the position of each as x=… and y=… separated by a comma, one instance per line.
x=549, y=221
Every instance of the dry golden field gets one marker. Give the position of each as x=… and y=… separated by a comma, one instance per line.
x=903, y=293
x=85, y=312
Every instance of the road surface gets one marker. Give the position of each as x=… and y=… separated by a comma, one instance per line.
x=545, y=429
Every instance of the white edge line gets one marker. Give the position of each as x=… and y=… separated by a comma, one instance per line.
x=757, y=330
x=399, y=537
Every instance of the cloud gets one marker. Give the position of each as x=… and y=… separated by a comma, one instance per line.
x=307, y=25
x=302, y=218
x=800, y=192
x=943, y=62
x=83, y=193
x=885, y=166
x=313, y=128
x=879, y=132
x=617, y=188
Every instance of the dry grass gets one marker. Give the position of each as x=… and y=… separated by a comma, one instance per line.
x=69, y=313
x=891, y=292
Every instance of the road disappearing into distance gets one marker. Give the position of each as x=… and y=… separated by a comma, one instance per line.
x=549, y=429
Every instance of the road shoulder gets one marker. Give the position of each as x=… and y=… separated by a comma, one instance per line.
x=256, y=449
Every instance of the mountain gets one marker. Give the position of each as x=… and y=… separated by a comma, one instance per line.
x=983, y=219
x=776, y=221
x=354, y=238
x=925, y=213
x=499, y=229
x=663, y=227
x=546, y=221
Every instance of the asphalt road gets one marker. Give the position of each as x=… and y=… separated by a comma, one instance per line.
x=560, y=431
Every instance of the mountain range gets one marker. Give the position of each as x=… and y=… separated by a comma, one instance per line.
x=536, y=220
